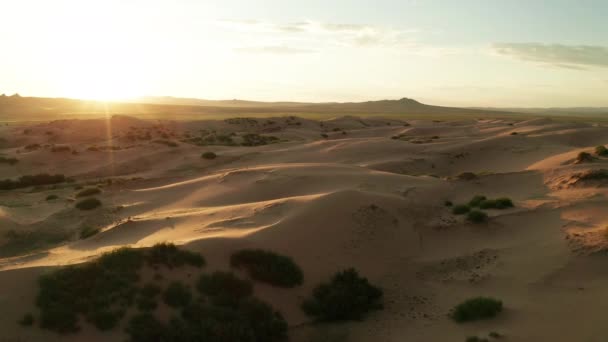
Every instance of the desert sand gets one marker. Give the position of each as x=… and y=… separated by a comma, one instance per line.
x=332, y=193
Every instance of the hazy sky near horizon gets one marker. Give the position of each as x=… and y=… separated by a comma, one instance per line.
x=517, y=53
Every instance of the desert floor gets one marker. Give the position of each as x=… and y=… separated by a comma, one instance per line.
x=370, y=194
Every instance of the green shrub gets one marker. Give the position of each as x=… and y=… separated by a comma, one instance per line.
x=88, y=231
x=476, y=339
x=104, y=319
x=601, y=150
x=88, y=192
x=150, y=290
x=88, y=204
x=476, y=309
x=27, y=320
x=95, y=290
x=177, y=295
x=209, y=155
x=477, y=216
x=268, y=267
x=346, y=297
x=51, y=197
x=584, y=157
x=476, y=200
x=31, y=180
x=146, y=304
x=167, y=143
x=145, y=327
x=224, y=284
x=250, y=320
x=10, y=161
x=460, y=209
x=169, y=255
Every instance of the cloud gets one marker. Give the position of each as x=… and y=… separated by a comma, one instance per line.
x=557, y=55
x=274, y=49
x=313, y=32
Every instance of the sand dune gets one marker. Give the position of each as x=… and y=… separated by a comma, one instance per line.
x=336, y=193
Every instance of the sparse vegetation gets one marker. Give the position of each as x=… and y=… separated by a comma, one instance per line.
x=460, y=209
x=499, y=203
x=88, y=192
x=601, y=150
x=61, y=148
x=476, y=200
x=477, y=216
x=584, y=157
x=8, y=160
x=448, y=203
x=88, y=204
x=347, y=296
x=27, y=320
x=51, y=197
x=89, y=231
x=165, y=142
x=224, y=287
x=476, y=309
x=269, y=267
x=209, y=155
x=101, y=291
x=177, y=295
x=31, y=180
x=252, y=139
x=169, y=255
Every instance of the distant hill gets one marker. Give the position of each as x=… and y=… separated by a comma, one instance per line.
x=39, y=108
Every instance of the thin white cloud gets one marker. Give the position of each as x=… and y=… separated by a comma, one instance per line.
x=274, y=49
x=325, y=34
x=557, y=55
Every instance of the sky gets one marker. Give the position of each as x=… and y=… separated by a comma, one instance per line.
x=516, y=53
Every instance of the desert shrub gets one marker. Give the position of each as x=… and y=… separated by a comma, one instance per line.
x=209, y=155
x=145, y=327
x=88, y=192
x=10, y=161
x=601, y=150
x=169, y=255
x=89, y=231
x=27, y=320
x=88, y=204
x=250, y=320
x=268, y=267
x=476, y=339
x=584, y=157
x=499, y=203
x=476, y=200
x=51, y=197
x=95, y=290
x=476, y=308
x=146, y=304
x=477, y=216
x=253, y=139
x=31, y=180
x=177, y=295
x=467, y=176
x=104, y=319
x=448, y=203
x=514, y=133
x=150, y=290
x=60, y=148
x=460, y=209
x=324, y=136
x=347, y=296
x=224, y=285
x=167, y=143
x=494, y=334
